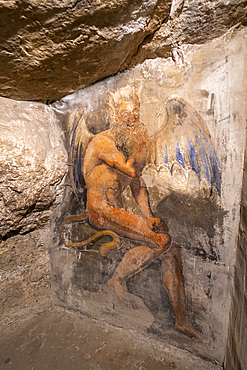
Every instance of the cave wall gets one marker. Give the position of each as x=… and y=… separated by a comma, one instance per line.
x=24, y=278
x=236, y=357
x=32, y=172
x=32, y=166
x=49, y=49
x=202, y=221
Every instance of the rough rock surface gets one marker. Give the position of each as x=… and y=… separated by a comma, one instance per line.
x=32, y=165
x=51, y=48
x=191, y=22
x=236, y=355
x=24, y=278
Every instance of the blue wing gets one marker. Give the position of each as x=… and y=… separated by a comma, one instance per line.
x=185, y=140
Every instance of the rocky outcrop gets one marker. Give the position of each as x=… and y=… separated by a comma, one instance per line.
x=51, y=48
x=32, y=165
x=191, y=22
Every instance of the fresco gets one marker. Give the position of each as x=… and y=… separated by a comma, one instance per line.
x=114, y=159
x=145, y=238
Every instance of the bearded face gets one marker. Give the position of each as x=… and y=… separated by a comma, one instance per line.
x=130, y=133
x=128, y=114
x=126, y=117
x=124, y=107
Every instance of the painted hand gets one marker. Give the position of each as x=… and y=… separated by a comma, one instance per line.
x=157, y=225
x=153, y=222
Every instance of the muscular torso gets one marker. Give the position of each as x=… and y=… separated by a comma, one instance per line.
x=105, y=180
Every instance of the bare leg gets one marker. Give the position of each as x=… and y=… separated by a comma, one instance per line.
x=174, y=283
x=133, y=262
x=125, y=223
x=131, y=225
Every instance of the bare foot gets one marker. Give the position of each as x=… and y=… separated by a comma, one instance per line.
x=187, y=329
x=119, y=289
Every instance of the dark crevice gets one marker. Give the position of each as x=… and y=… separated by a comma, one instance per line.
x=18, y=231
x=127, y=62
x=146, y=39
x=164, y=21
x=12, y=233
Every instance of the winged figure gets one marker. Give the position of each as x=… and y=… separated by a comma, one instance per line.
x=124, y=156
x=181, y=156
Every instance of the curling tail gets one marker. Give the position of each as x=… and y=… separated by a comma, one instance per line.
x=104, y=249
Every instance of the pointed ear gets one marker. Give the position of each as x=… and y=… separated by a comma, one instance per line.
x=112, y=112
x=111, y=105
x=138, y=91
x=110, y=98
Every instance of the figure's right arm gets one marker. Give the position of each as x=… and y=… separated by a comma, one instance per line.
x=113, y=157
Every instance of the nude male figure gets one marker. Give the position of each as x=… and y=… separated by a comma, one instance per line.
x=114, y=159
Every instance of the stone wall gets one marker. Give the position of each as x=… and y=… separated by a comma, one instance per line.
x=32, y=171
x=32, y=160
x=236, y=356
x=24, y=278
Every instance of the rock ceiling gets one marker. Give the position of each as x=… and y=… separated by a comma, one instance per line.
x=52, y=48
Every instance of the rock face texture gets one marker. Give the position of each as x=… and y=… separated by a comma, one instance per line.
x=24, y=271
x=236, y=356
x=65, y=45
x=191, y=22
x=51, y=48
x=32, y=165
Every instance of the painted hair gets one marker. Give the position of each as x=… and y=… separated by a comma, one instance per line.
x=124, y=94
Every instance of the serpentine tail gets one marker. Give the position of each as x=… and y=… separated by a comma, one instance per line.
x=105, y=247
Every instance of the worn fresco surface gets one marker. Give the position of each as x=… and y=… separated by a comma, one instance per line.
x=145, y=238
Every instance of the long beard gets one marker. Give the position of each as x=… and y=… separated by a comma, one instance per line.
x=130, y=138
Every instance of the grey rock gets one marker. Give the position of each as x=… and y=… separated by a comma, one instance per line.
x=52, y=48
x=32, y=165
x=24, y=278
x=49, y=49
x=191, y=22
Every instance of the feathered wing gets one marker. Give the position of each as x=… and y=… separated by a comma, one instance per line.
x=79, y=137
x=184, y=142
